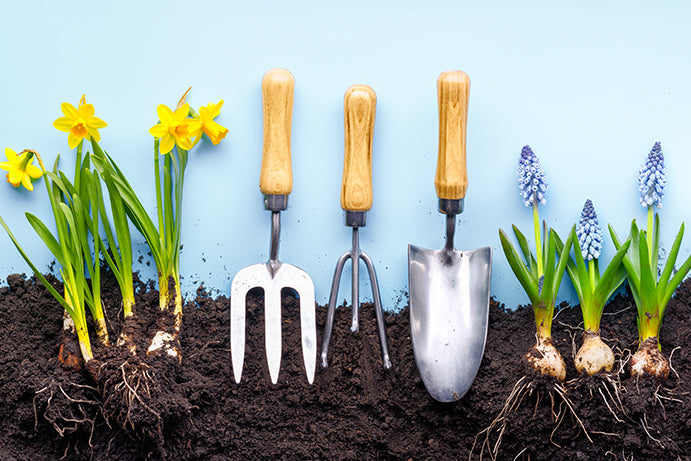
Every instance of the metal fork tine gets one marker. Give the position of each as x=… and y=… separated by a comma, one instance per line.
x=330, y=313
x=272, y=330
x=377, y=309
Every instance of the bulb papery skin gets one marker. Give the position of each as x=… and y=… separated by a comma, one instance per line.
x=594, y=355
x=546, y=359
x=649, y=361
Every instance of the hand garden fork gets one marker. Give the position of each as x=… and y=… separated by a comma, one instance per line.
x=356, y=199
x=275, y=182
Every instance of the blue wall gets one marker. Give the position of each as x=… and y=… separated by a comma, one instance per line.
x=590, y=88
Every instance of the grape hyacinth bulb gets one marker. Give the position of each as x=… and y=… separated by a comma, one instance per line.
x=651, y=178
x=589, y=232
x=532, y=180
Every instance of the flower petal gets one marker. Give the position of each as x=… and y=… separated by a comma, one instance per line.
x=184, y=143
x=11, y=155
x=63, y=124
x=87, y=110
x=15, y=177
x=158, y=131
x=26, y=182
x=181, y=113
x=93, y=132
x=96, y=123
x=165, y=115
x=167, y=143
x=69, y=110
x=34, y=171
x=73, y=141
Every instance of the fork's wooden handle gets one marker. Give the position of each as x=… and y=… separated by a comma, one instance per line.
x=359, y=107
x=451, y=180
x=276, y=176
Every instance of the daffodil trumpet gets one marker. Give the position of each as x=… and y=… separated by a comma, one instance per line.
x=593, y=290
x=540, y=275
x=650, y=292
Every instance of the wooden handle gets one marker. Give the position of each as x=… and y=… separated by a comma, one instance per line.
x=453, y=89
x=359, y=106
x=276, y=176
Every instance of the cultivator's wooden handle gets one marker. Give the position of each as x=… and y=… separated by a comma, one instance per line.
x=359, y=107
x=451, y=181
x=276, y=176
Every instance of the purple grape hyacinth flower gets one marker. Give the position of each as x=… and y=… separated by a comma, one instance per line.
x=651, y=178
x=589, y=232
x=531, y=178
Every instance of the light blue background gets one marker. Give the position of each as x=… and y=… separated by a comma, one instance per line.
x=590, y=88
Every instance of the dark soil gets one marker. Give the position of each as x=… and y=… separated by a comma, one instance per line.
x=354, y=410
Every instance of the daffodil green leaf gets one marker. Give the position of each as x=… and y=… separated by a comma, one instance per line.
x=49, y=287
x=46, y=236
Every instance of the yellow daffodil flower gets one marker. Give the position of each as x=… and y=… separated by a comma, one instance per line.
x=175, y=128
x=19, y=168
x=79, y=123
x=213, y=130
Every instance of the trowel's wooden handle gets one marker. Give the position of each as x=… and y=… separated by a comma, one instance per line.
x=359, y=106
x=276, y=176
x=451, y=181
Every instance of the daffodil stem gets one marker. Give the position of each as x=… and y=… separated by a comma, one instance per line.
x=78, y=166
x=538, y=240
x=159, y=200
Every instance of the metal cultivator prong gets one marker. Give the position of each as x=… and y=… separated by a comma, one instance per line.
x=355, y=254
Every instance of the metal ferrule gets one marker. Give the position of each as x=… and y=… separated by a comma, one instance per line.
x=450, y=207
x=355, y=218
x=275, y=202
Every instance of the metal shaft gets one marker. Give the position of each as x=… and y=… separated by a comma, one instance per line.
x=450, y=231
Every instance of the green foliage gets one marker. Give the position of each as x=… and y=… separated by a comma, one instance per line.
x=651, y=294
x=592, y=289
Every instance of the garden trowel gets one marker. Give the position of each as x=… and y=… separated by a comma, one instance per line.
x=449, y=289
x=275, y=182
